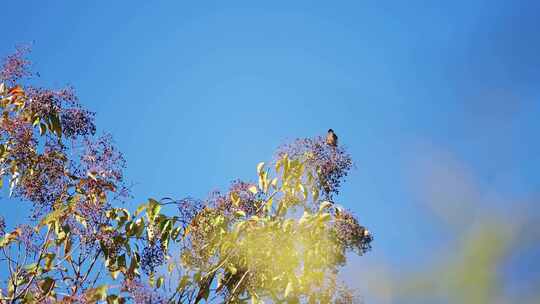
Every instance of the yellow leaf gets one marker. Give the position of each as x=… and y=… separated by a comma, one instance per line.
x=114, y=274
x=240, y=213
x=304, y=218
x=99, y=293
x=325, y=217
x=183, y=283
x=260, y=166
x=140, y=209
x=279, y=164
x=235, y=198
x=261, y=181
x=268, y=205
x=253, y=189
x=274, y=182
x=160, y=281
x=315, y=194
x=303, y=191
x=289, y=289
x=324, y=205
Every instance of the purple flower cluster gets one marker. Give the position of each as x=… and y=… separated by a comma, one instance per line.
x=188, y=208
x=345, y=295
x=248, y=202
x=331, y=164
x=45, y=102
x=351, y=234
x=46, y=182
x=141, y=293
x=15, y=66
x=29, y=238
x=89, y=233
x=107, y=242
x=2, y=226
x=103, y=160
x=77, y=122
x=153, y=256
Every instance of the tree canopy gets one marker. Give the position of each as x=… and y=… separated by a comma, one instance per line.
x=281, y=238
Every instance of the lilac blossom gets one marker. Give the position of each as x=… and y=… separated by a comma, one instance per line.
x=15, y=66
x=28, y=237
x=351, y=234
x=46, y=182
x=188, y=208
x=153, y=256
x=45, y=102
x=2, y=226
x=141, y=293
x=103, y=160
x=77, y=122
x=332, y=164
x=248, y=202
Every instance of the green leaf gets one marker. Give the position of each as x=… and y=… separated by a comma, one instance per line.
x=55, y=124
x=176, y=232
x=151, y=279
x=98, y=294
x=42, y=128
x=31, y=267
x=184, y=281
x=49, y=259
x=152, y=210
x=113, y=299
x=140, y=209
x=160, y=281
x=47, y=284
x=55, y=215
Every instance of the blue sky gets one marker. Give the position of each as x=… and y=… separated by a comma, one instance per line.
x=197, y=94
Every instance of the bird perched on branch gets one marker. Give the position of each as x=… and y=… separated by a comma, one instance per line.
x=331, y=138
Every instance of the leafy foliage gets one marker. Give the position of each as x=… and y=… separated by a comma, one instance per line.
x=277, y=239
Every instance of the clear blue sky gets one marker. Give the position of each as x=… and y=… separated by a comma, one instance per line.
x=197, y=94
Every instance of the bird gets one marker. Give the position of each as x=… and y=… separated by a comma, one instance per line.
x=331, y=138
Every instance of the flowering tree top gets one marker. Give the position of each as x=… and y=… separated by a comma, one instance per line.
x=281, y=238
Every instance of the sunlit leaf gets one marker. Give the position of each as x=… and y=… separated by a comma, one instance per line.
x=159, y=282
x=260, y=167
x=235, y=198
x=325, y=205
x=288, y=289
x=253, y=189
x=184, y=281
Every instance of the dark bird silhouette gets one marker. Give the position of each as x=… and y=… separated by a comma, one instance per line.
x=331, y=138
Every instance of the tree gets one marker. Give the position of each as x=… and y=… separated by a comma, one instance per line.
x=280, y=239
